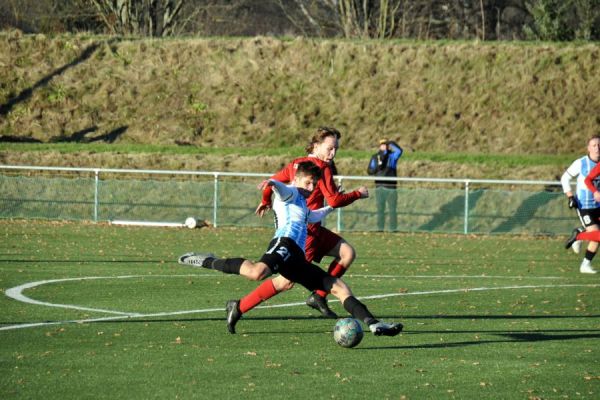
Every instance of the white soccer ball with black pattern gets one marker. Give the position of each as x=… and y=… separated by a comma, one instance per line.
x=347, y=332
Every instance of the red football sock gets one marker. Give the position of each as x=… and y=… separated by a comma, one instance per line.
x=265, y=291
x=593, y=236
x=335, y=269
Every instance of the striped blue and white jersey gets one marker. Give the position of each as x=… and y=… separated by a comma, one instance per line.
x=291, y=213
x=579, y=169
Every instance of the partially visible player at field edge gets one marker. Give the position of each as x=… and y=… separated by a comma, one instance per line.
x=320, y=242
x=285, y=254
x=584, y=200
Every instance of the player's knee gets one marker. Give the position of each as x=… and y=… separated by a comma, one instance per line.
x=339, y=288
x=282, y=284
x=258, y=272
x=347, y=254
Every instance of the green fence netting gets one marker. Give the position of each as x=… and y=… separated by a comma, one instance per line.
x=232, y=203
x=49, y=198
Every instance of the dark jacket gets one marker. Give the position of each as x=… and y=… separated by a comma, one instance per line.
x=383, y=163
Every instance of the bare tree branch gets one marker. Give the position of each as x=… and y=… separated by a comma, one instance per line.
x=139, y=17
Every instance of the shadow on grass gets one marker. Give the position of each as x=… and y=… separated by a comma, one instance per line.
x=82, y=136
x=25, y=94
x=454, y=207
x=484, y=317
x=311, y=329
x=525, y=212
x=522, y=338
x=528, y=336
x=503, y=337
x=93, y=261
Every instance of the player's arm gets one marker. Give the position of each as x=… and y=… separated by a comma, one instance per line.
x=282, y=191
x=281, y=176
x=589, y=179
x=315, y=216
x=589, y=182
x=565, y=180
x=333, y=196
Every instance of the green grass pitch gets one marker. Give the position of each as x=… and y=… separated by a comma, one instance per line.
x=105, y=312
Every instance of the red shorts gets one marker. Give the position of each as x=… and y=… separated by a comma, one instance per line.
x=319, y=242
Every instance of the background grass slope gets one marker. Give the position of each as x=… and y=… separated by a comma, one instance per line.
x=433, y=97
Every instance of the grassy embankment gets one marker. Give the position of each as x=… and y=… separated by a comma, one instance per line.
x=478, y=110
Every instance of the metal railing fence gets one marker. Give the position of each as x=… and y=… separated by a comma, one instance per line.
x=229, y=199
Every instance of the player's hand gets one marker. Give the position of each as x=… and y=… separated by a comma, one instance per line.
x=264, y=184
x=364, y=192
x=573, y=201
x=597, y=197
x=262, y=209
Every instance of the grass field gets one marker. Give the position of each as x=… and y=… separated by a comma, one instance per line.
x=116, y=317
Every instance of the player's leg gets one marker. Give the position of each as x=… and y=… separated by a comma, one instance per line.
x=237, y=266
x=591, y=234
x=589, y=218
x=267, y=289
x=272, y=259
x=343, y=254
x=572, y=241
x=264, y=291
x=360, y=311
x=312, y=277
x=323, y=242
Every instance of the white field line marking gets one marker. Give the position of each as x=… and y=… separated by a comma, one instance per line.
x=17, y=291
x=16, y=294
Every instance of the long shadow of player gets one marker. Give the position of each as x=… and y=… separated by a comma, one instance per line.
x=510, y=337
x=525, y=212
x=28, y=92
x=455, y=207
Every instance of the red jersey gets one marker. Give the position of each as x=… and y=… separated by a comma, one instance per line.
x=591, y=176
x=326, y=188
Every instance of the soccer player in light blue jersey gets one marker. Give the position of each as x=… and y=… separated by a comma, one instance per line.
x=285, y=254
x=588, y=209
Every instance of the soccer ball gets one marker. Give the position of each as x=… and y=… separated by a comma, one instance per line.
x=190, y=222
x=347, y=332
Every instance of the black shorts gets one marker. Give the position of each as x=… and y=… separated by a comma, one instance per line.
x=589, y=216
x=287, y=259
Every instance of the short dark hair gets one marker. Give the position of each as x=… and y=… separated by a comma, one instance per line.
x=308, y=168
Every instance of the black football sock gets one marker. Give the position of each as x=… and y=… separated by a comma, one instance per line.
x=226, y=265
x=359, y=311
x=589, y=255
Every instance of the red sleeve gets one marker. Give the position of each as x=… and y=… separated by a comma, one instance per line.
x=331, y=193
x=589, y=179
x=285, y=176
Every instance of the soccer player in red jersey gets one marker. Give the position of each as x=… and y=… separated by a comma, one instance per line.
x=285, y=254
x=320, y=240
